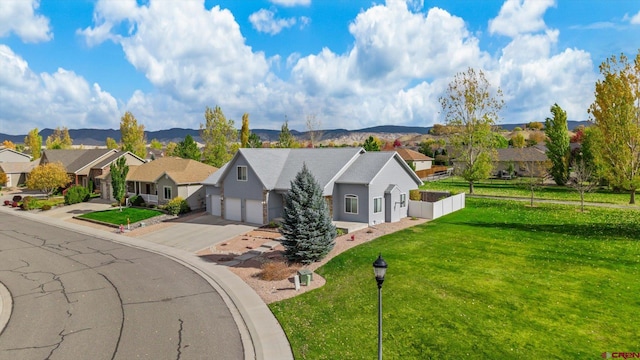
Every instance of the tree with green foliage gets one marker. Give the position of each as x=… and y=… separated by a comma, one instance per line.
x=371, y=144
x=583, y=179
x=119, y=170
x=616, y=114
x=188, y=149
x=535, y=125
x=244, y=131
x=60, y=139
x=170, y=150
x=286, y=139
x=471, y=111
x=254, y=141
x=155, y=144
x=33, y=141
x=500, y=142
x=308, y=231
x=47, y=178
x=558, y=149
x=111, y=143
x=518, y=140
x=3, y=178
x=132, y=137
x=220, y=137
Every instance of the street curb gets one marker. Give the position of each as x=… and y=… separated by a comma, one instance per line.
x=6, y=306
x=262, y=336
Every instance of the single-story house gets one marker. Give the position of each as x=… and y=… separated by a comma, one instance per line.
x=100, y=173
x=420, y=161
x=12, y=156
x=525, y=161
x=17, y=172
x=359, y=186
x=163, y=179
x=77, y=162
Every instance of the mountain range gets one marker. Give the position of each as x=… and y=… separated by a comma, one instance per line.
x=97, y=137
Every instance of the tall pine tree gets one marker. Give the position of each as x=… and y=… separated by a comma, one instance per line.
x=308, y=231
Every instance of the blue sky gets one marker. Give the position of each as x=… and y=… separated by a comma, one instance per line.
x=348, y=63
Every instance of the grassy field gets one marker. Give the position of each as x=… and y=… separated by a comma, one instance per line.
x=496, y=187
x=118, y=217
x=497, y=280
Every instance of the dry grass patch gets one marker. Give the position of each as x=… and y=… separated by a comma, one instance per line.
x=276, y=270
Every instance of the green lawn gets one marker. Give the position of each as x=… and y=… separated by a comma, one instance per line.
x=117, y=217
x=497, y=280
x=495, y=187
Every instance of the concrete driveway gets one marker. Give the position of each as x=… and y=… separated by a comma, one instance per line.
x=197, y=233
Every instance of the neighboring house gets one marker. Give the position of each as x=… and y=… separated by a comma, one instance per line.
x=163, y=179
x=78, y=163
x=17, y=172
x=100, y=173
x=359, y=186
x=421, y=161
x=525, y=161
x=12, y=156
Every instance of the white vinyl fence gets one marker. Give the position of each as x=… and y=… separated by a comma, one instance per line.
x=434, y=210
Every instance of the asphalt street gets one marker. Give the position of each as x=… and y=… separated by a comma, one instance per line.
x=76, y=296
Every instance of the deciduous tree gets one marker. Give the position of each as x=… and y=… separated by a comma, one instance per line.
x=132, y=137
x=118, y=171
x=170, y=150
x=254, y=141
x=9, y=145
x=244, y=131
x=313, y=129
x=471, y=109
x=60, y=139
x=111, y=143
x=518, y=140
x=47, y=178
x=286, y=139
x=558, y=150
x=33, y=141
x=220, y=137
x=308, y=232
x=155, y=144
x=371, y=144
x=616, y=114
x=583, y=179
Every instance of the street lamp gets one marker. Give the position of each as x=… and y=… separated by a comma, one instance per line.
x=379, y=269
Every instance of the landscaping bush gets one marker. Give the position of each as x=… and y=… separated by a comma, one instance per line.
x=136, y=200
x=274, y=271
x=17, y=198
x=177, y=206
x=46, y=207
x=414, y=195
x=28, y=203
x=76, y=194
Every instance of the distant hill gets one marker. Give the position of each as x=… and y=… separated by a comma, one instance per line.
x=98, y=137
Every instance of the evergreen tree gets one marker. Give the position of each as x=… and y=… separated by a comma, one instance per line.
x=558, y=150
x=254, y=141
x=286, y=139
x=307, y=228
x=188, y=149
x=371, y=144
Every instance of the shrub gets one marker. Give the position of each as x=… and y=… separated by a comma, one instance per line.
x=414, y=195
x=17, y=198
x=340, y=232
x=274, y=271
x=28, y=203
x=177, y=205
x=76, y=194
x=136, y=200
x=46, y=207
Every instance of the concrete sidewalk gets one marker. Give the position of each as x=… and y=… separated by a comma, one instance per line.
x=262, y=335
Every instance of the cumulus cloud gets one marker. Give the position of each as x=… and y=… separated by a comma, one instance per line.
x=265, y=21
x=20, y=18
x=290, y=3
x=61, y=98
x=520, y=16
x=635, y=19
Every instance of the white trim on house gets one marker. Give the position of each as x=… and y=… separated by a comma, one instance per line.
x=164, y=192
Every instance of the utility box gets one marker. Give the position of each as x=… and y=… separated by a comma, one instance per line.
x=306, y=276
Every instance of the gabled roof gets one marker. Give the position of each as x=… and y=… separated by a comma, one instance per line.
x=365, y=169
x=275, y=168
x=181, y=171
x=412, y=155
x=17, y=167
x=77, y=159
x=521, y=154
x=113, y=157
x=28, y=158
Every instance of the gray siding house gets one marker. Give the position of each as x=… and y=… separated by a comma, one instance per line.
x=359, y=186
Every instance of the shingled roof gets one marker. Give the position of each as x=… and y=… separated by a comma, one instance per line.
x=412, y=155
x=76, y=159
x=181, y=171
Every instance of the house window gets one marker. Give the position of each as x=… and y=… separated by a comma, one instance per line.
x=377, y=205
x=242, y=173
x=167, y=193
x=403, y=200
x=351, y=204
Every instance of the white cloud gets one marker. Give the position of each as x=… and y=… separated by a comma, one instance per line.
x=59, y=99
x=19, y=17
x=265, y=21
x=635, y=19
x=520, y=16
x=290, y=3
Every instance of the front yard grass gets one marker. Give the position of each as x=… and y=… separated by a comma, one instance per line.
x=512, y=188
x=497, y=280
x=117, y=217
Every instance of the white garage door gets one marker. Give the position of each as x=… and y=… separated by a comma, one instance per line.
x=254, y=212
x=214, y=205
x=232, y=209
